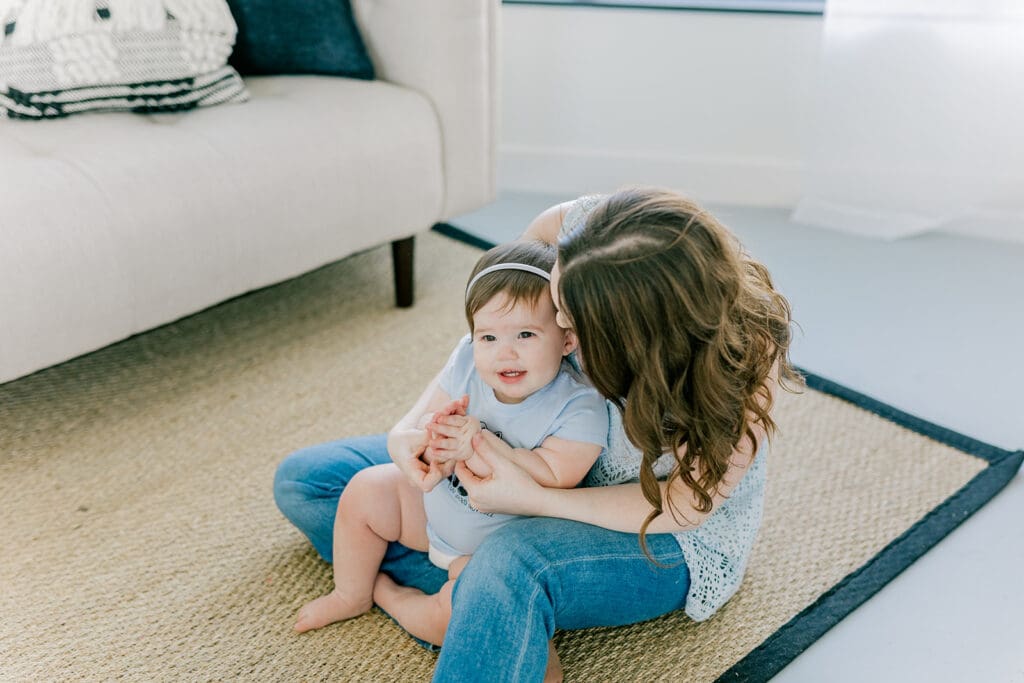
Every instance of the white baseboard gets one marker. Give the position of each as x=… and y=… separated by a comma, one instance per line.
x=569, y=172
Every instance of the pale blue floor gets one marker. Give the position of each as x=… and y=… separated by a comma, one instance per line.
x=934, y=326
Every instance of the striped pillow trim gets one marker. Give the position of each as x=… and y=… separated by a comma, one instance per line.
x=216, y=87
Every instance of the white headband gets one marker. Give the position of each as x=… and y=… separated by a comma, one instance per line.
x=506, y=266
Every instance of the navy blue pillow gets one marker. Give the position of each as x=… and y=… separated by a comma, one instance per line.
x=298, y=37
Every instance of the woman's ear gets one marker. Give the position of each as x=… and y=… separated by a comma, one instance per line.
x=570, y=342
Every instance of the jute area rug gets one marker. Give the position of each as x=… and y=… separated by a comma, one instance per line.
x=140, y=540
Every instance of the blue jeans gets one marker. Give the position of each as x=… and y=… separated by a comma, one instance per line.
x=308, y=484
x=525, y=580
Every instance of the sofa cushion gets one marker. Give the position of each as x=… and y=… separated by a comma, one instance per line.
x=96, y=55
x=120, y=223
x=298, y=37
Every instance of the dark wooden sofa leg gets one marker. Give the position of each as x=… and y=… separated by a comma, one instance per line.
x=402, y=260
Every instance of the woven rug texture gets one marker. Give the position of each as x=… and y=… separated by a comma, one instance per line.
x=140, y=540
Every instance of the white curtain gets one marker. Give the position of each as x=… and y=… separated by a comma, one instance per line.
x=919, y=120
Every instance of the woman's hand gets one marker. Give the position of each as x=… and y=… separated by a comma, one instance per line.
x=405, y=447
x=508, y=489
x=407, y=440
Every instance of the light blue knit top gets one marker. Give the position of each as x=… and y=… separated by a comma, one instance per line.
x=716, y=552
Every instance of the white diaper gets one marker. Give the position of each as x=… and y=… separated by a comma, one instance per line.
x=440, y=558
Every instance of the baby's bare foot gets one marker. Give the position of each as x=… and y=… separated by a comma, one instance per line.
x=328, y=609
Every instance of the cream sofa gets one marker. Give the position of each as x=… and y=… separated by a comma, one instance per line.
x=111, y=224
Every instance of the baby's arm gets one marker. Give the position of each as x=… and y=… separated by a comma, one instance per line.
x=557, y=463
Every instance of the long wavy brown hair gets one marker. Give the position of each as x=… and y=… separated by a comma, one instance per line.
x=680, y=329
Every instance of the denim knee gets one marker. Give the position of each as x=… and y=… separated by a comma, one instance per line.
x=517, y=545
x=516, y=553
x=308, y=483
x=317, y=471
x=289, y=493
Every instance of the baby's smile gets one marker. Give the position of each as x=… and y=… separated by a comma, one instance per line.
x=511, y=376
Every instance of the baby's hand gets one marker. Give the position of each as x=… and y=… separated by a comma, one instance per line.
x=450, y=437
x=457, y=407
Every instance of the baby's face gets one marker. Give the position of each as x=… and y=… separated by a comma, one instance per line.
x=518, y=350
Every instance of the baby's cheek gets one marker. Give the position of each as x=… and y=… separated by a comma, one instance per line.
x=552, y=371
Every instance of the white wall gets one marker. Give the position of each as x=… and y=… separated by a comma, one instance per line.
x=711, y=104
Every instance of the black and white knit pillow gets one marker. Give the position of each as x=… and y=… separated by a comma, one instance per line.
x=63, y=57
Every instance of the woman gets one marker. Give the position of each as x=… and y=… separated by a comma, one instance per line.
x=687, y=339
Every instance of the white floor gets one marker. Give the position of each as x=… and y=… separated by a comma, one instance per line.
x=934, y=326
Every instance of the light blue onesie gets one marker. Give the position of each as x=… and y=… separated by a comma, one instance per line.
x=567, y=407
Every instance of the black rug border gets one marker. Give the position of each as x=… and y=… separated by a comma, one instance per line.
x=832, y=606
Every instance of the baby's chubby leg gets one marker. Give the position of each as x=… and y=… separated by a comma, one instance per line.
x=377, y=506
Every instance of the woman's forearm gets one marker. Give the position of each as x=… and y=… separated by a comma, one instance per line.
x=621, y=507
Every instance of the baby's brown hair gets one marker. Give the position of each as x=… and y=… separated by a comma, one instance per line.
x=517, y=285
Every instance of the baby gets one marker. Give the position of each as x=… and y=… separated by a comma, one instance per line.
x=509, y=376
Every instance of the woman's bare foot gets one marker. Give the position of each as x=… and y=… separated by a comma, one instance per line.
x=328, y=609
x=553, y=674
